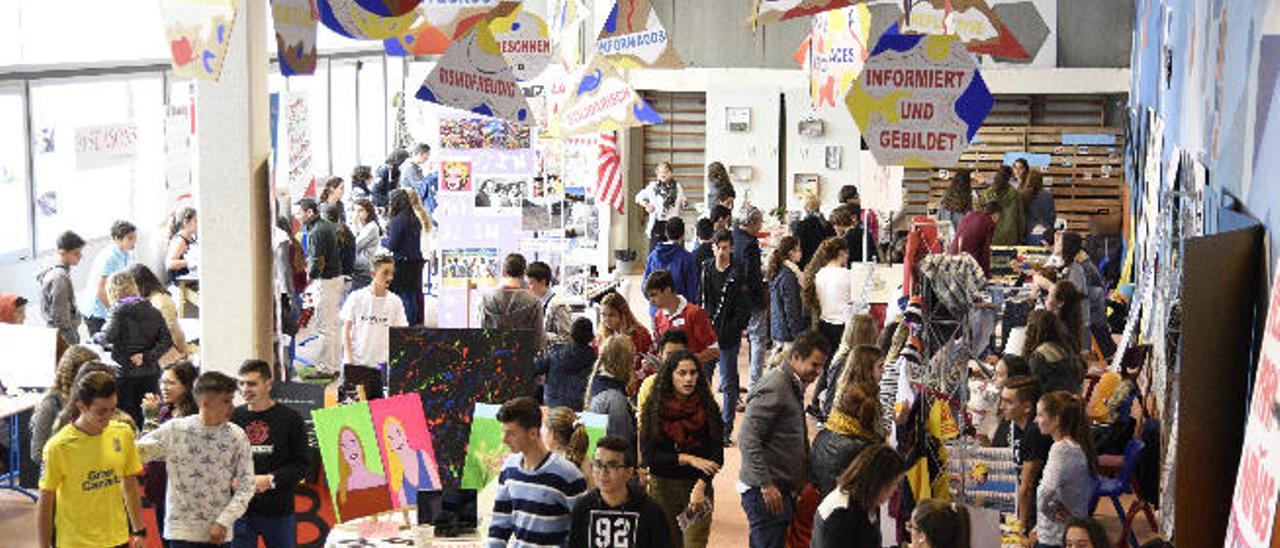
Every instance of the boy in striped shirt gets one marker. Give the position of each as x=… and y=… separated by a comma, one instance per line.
x=537, y=488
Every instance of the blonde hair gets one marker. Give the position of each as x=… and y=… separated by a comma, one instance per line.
x=572, y=435
x=395, y=468
x=415, y=202
x=344, y=469
x=812, y=202
x=617, y=358
x=617, y=302
x=64, y=381
x=121, y=285
x=859, y=371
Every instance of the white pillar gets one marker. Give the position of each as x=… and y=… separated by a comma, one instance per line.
x=234, y=139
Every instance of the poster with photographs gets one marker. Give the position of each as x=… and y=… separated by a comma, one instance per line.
x=480, y=265
x=582, y=218
x=455, y=176
x=575, y=278
x=500, y=195
x=543, y=209
x=550, y=250
x=491, y=133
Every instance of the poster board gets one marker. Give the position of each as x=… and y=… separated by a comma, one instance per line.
x=919, y=100
x=406, y=448
x=633, y=37
x=198, y=33
x=452, y=369
x=353, y=466
x=601, y=100
x=486, y=452
x=473, y=76
x=352, y=20
x=29, y=355
x=438, y=24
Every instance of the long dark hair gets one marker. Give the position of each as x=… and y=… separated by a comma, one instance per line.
x=146, y=280
x=1072, y=243
x=959, y=196
x=717, y=175
x=1032, y=186
x=1044, y=326
x=186, y=374
x=943, y=523
x=1071, y=313
x=1068, y=409
x=829, y=249
x=329, y=184
x=874, y=469
x=369, y=212
x=664, y=387
x=180, y=218
x=398, y=205
x=1097, y=535
x=1000, y=182
x=779, y=255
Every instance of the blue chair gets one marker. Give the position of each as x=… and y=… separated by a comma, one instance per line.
x=1120, y=484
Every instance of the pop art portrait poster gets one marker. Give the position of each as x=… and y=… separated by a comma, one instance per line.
x=406, y=446
x=455, y=176
x=452, y=369
x=353, y=466
x=474, y=76
x=198, y=33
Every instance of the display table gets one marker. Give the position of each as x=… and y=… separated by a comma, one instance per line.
x=392, y=531
x=10, y=408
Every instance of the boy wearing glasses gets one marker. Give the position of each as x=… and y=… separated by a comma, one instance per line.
x=617, y=514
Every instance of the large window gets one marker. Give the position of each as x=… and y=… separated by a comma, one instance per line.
x=15, y=207
x=98, y=146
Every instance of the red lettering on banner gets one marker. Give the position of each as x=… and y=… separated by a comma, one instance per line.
x=576, y=116
x=1273, y=319
x=917, y=140
x=1255, y=484
x=526, y=46
x=476, y=82
x=915, y=111
x=913, y=78
x=1265, y=392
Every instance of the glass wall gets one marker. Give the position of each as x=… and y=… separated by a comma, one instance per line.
x=15, y=210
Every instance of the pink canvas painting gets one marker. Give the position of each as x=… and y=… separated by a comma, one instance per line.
x=407, y=451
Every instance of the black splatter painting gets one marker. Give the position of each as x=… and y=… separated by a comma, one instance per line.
x=452, y=369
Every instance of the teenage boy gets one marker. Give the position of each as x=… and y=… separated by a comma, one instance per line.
x=726, y=196
x=676, y=312
x=58, y=294
x=728, y=307
x=555, y=311
x=115, y=258
x=617, y=514
x=90, y=466
x=721, y=216
x=281, y=458
x=368, y=315
x=511, y=305
x=537, y=488
x=705, y=230
x=324, y=268
x=672, y=257
x=210, y=467
x=775, y=442
x=1030, y=447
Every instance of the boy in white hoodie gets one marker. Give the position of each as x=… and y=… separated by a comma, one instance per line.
x=210, y=467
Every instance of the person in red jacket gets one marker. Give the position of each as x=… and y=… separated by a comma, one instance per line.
x=676, y=312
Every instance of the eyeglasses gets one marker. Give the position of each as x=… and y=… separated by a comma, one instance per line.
x=607, y=466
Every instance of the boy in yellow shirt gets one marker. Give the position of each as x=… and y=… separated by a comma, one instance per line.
x=90, y=469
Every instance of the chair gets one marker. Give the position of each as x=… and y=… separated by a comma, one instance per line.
x=1123, y=484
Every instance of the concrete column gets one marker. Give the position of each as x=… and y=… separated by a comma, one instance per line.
x=233, y=136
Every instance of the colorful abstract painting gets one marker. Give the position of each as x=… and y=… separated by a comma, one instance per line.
x=919, y=100
x=348, y=18
x=407, y=448
x=295, y=24
x=353, y=466
x=439, y=23
x=198, y=33
x=601, y=100
x=474, y=76
x=633, y=37
x=833, y=55
x=451, y=370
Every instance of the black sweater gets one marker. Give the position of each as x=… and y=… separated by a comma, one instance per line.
x=280, y=447
x=842, y=522
x=638, y=523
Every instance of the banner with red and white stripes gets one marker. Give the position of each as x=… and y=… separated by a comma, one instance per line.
x=609, y=175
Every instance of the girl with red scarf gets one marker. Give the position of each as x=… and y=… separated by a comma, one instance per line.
x=681, y=441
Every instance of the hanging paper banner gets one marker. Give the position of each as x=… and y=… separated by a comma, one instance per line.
x=438, y=24
x=1258, y=479
x=772, y=11
x=601, y=100
x=198, y=32
x=473, y=76
x=567, y=17
x=919, y=100
x=178, y=120
x=522, y=36
x=295, y=23
x=633, y=37
x=350, y=19
x=389, y=8
x=837, y=48
x=297, y=134
x=977, y=25
x=106, y=145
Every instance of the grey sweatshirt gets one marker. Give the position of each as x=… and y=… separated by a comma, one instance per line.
x=58, y=302
x=210, y=475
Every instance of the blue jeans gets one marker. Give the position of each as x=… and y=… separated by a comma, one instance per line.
x=281, y=532
x=768, y=530
x=411, y=312
x=758, y=333
x=729, y=381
